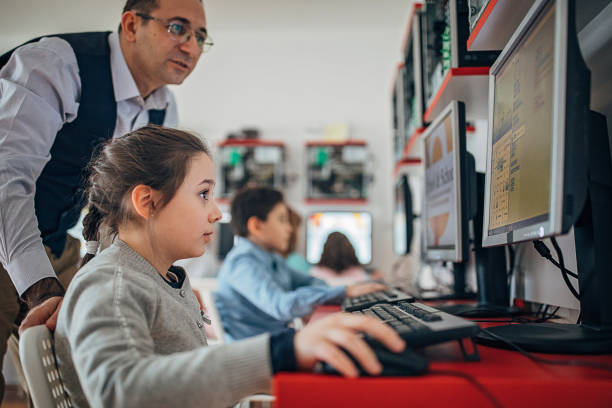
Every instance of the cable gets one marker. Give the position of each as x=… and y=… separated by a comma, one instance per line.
x=545, y=252
x=512, y=259
x=472, y=380
x=537, y=359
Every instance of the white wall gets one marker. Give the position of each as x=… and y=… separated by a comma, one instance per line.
x=286, y=67
x=290, y=84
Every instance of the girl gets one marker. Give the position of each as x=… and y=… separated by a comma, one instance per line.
x=130, y=332
x=339, y=264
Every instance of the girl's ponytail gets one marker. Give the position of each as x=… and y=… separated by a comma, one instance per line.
x=91, y=227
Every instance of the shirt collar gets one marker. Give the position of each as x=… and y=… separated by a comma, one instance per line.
x=124, y=85
x=247, y=245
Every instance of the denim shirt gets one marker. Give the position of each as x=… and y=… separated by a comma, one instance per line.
x=259, y=293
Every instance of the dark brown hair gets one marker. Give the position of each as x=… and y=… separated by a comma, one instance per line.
x=155, y=156
x=252, y=202
x=142, y=6
x=338, y=253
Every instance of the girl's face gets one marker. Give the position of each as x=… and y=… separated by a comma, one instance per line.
x=185, y=225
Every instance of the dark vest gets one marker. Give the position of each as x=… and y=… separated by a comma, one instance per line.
x=59, y=194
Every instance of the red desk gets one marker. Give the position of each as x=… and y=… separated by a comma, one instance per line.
x=510, y=380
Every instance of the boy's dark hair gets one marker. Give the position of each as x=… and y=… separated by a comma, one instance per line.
x=338, y=253
x=253, y=202
x=155, y=156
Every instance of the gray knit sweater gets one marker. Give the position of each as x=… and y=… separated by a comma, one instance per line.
x=125, y=338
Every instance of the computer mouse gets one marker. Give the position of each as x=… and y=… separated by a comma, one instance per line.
x=405, y=363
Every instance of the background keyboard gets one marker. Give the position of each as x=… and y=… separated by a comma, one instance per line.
x=354, y=303
x=421, y=325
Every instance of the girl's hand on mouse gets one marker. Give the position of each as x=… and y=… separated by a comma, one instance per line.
x=321, y=341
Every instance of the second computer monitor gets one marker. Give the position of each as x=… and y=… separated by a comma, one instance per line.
x=403, y=217
x=445, y=221
x=526, y=142
x=356, y=225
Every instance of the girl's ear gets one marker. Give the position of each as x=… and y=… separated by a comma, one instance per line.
x=144, y=200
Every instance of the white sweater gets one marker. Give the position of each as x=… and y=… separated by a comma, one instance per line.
x=126, y=338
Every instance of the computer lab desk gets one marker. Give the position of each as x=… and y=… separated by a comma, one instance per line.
x=501, y=378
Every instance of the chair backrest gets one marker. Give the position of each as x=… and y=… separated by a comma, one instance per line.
x=37, y=353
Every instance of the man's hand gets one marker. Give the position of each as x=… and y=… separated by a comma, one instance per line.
x=363, y=288
x=45, y=313
x=321, y=341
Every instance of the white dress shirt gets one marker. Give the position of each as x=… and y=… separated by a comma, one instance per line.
x=40, y=89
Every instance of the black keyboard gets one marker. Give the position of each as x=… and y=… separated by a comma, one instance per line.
x=421, y=325
x=354, y=303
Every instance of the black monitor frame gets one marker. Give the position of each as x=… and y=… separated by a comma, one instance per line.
x=402, y=190
x=581, y=195
x=413, y=76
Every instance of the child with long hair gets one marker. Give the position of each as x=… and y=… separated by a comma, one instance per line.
x=339, y=264
x=130, y=331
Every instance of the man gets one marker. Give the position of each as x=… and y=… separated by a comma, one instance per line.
x=60, y=98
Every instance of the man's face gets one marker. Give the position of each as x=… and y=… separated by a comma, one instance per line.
x=165, y=60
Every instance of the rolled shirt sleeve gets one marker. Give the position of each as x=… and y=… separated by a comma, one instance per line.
x=39, y=93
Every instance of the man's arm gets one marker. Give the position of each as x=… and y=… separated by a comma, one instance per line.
x=39, y=90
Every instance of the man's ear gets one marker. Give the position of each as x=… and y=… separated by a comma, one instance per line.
x=129, y=24
x=144, y=200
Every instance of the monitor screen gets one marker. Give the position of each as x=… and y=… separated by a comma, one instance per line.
x=443, y=224
x=519, y=157
x=402, y=217
x=357, y=226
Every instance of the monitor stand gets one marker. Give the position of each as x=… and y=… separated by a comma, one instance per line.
x=593, y=237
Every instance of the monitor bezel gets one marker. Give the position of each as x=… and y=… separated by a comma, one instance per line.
x=554, y=224
x=340, y=212
x=402, y=186
x=456, y=254
x=417, y=71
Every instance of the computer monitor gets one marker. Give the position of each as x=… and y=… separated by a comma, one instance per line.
x=225, y=241
x=545, y=171
x=445, y=29
x=413, y=80
x=448, y=200
x=356, y=225
x=403, y=217
x=399, y=112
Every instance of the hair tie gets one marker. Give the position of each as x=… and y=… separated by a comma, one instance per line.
x=91, y=247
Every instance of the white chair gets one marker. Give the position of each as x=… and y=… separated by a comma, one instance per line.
x=207, y=287
x=37, y=353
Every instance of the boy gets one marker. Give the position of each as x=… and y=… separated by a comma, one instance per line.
x=258, y=292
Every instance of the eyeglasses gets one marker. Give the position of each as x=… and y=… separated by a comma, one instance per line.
x=181, y=32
